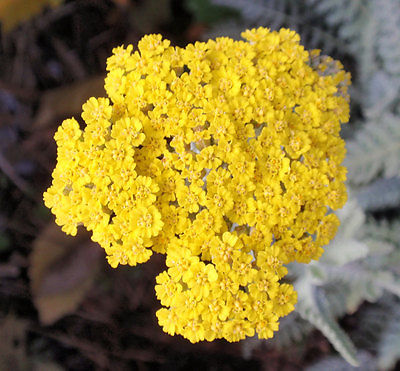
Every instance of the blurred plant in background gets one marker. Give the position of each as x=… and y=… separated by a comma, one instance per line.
x=13, y=12
x=362, y=263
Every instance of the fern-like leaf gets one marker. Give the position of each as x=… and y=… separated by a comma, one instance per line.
x=380, y=93
x=312, y=306
x=367, y=363
x=389, y=345
x=367, y=284
x=375, y=149
x=292, y=329
x=294, y=14
x=348, y=17
x=388, y=16
x=337, y=294
x=385, y=40
x=343, y=251
x=372, y=323
x=347, y=246
x=383, y=231
x=380, y=194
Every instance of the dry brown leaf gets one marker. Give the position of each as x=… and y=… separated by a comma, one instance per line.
x=67, y=101
x=62, y=270
x=13, y=12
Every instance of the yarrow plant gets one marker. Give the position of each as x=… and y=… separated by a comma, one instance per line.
x=224, y=156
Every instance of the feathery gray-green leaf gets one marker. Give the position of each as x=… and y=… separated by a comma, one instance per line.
x=312, y=307
x=375, y=150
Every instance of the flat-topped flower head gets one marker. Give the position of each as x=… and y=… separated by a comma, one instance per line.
x=225, y=156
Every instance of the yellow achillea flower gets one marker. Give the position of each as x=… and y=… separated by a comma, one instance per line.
x=225, y=156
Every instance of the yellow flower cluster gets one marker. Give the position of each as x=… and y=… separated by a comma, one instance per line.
x=223, y=155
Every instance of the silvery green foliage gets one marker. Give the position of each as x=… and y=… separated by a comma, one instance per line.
x=375, y=150
x=380, y=194
x=381, y=331
x=388, y=25
x=343, y=279
x=294, y=14
x=362, y=264
x=292, y=329
x=389, y=343
x=313, y=306
x=367, y=363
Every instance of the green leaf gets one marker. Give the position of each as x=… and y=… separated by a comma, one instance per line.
x=347, y=246
x=380, y=194
x=317, y=273
x=387, y=13
x=275, y=14
x=342, y=251
x=367, y=363
x=364, y=283
x=337, y=294
x=352, y=220
x=390, y=283
x=375, y=149
x=378, y=247
x=206, y=12
x=312, y=306
x=292, y=329
x=346, y=16
x=389, y=345
x=383, y=231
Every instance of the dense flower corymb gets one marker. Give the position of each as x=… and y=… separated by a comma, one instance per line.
x=225, y=156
